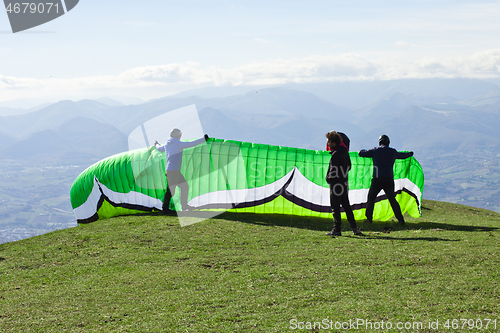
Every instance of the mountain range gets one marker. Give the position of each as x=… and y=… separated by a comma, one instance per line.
x=291, y=117
x=79, y=140
x=355, y=94
x=446, y=122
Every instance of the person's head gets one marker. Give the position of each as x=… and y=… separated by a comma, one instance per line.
x=176, y=133
x=383, y=140
x=334, y=139
x=345, y=140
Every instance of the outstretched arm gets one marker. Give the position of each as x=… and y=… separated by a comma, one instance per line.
x=366, y=153
x=402, y=156
x=189, y=144
x=159, y=147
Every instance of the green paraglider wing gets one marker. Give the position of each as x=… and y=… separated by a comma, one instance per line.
x=239, y=177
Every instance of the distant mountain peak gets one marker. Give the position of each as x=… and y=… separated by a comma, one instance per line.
x=491, y=97
x=109, y=101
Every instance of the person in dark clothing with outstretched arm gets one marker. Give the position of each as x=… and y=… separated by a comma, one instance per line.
x=383, y=176
x=336, y=177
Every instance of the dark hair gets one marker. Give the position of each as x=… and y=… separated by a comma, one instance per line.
x=345, y=140
x=384, y=140
x=334, y=137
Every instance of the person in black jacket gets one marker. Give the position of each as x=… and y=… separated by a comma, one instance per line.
x=383, y=176
x=336, y=177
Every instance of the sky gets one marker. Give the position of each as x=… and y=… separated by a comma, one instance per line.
x=156, y=48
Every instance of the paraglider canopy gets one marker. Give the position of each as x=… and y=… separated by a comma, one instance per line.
x=239, y=177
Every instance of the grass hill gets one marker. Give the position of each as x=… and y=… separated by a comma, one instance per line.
x=255, y=273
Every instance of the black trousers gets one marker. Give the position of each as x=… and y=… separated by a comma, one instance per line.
x=175, y=179
x=339, y=195
x=386, y=184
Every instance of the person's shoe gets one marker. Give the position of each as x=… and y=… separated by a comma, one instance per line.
x=334, y=233
x=357, y=232
x=368, y=221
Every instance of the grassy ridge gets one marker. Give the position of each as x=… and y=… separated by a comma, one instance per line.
x=252, y=273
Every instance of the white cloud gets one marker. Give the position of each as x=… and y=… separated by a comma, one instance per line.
x=401, y=44
x=156, y=81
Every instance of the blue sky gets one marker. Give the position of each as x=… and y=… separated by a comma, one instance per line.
x=150, y=49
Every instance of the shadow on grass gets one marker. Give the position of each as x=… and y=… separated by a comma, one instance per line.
x=292, y=221
x=427, y=239
x=383, y=229
x=447, y=226
x=377, y=230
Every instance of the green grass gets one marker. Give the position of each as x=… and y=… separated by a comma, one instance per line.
x=252, y=273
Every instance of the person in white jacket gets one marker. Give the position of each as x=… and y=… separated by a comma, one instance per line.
x=173, y=149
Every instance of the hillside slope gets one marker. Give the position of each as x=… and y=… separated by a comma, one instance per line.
x=79, y=140
x=251, y=272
